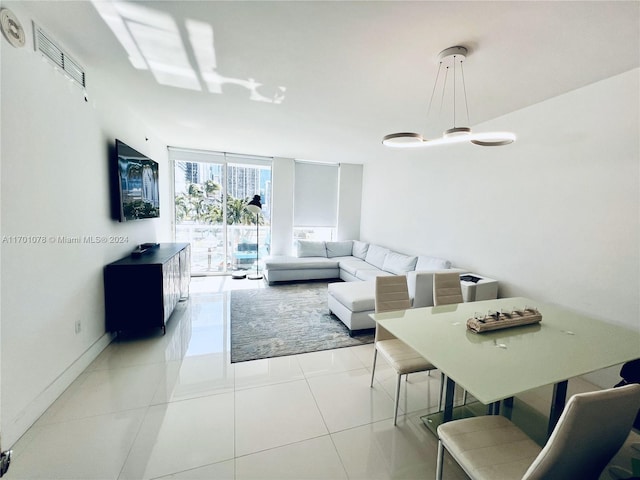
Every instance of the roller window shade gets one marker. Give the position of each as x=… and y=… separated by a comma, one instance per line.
x=315, y=195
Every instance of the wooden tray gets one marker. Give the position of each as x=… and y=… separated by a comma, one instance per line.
x=522, y=317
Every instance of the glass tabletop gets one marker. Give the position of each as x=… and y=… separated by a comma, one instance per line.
x=502, y=363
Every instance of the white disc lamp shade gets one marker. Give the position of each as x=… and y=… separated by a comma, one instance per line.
x=493, y=139
x=451, y=60
x=403, y=139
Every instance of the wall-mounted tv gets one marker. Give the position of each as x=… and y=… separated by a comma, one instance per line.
x=138, y=189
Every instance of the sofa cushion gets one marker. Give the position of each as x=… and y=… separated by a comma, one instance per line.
x=376, y=255
x=360, y=249
x=356, y=296
x=293, y=263
x=432, y=263
x=399, y=263
x=352, y=264
x=339, y=249
x=371, y=274
x=311, y=248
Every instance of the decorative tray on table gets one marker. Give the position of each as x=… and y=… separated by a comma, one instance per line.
x=505, y=319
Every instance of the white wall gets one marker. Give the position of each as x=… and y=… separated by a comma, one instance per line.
x=55, y=183
x=283, y=175
x=554, y=216
x=349, y=201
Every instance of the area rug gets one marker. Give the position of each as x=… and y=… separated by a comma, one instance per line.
x=286, y=320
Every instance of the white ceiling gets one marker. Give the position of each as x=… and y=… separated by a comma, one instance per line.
x=353, y=71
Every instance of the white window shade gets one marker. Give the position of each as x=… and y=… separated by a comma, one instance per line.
x=315, y=195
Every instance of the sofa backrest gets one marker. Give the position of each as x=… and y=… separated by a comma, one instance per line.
x=426, y=262
x=339, y=249
x=399, y=263
x=360, y=249
x=311, y=248
x=376, y=255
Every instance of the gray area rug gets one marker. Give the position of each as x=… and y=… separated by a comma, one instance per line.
x=285, y=320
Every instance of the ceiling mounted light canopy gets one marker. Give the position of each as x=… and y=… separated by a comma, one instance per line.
x=450, y=60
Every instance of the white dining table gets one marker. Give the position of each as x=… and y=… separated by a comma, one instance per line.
x=497, y=365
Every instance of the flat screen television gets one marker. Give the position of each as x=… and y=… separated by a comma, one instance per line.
x=138, y=189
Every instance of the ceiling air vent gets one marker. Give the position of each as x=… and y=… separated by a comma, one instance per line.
x=50, y=49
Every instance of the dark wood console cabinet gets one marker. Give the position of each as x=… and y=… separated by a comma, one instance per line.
x=141, y=291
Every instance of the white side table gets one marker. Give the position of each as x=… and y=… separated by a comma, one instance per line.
x=481, y=289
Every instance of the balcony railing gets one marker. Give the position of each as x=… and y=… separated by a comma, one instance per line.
x=208, y=252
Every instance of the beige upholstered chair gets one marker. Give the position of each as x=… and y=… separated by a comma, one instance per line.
x=590, y=431
x=392, y=294
x=447, y=289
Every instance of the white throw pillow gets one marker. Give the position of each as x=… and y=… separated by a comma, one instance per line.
x=339, y=249
x=432, y=263
x=360, y=249
x=311, y=248
x=376, y=255
x=399, y=263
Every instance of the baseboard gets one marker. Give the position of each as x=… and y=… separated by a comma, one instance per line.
x=13, y=431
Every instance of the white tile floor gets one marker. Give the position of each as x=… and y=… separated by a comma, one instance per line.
x=174, y=407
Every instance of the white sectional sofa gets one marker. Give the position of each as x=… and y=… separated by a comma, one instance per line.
x=357, y=263
x=349, y=260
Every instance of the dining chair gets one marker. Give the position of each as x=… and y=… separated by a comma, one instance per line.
x=447, y=290
x=590, y=431
x=630, y=373
x=392, y=294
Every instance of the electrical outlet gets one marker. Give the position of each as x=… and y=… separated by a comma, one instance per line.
x=78, y=327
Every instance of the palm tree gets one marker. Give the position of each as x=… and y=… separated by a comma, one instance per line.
x=200, y=203
x=211, y=188
x=212, y=214
x=182, y=207
x=236, y=208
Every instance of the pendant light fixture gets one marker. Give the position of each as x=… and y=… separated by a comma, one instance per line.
x=450, y=65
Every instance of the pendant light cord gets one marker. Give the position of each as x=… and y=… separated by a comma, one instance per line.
x=464, y=89
x=444, y=87
x=435, y=84
x=446, y=75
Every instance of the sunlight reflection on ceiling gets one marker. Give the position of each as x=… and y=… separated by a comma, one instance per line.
x=153, y=42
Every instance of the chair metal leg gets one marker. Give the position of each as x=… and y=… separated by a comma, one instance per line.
x=439, y=460
x=373, y=368
x=397, y=402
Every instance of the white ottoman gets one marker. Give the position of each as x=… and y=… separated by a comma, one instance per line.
x=352, y=302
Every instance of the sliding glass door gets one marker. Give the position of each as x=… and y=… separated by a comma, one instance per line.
x=212, y=191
